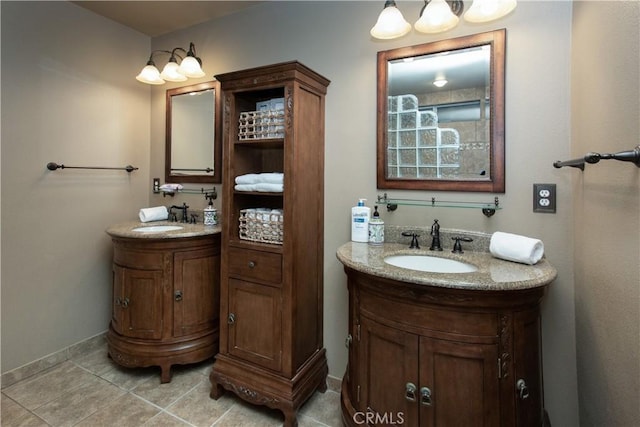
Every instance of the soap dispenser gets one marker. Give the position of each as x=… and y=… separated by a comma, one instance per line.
x=210, y=214
x=376, y=228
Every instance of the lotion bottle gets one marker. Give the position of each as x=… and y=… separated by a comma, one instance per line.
x=360, y=216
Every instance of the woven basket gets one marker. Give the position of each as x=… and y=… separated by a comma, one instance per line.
x=261, y=225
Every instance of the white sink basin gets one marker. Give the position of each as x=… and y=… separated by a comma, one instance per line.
x=430, y=264
x=157, y=228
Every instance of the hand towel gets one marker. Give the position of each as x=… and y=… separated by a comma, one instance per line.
x=158, y=213
x=250, y=178
x=245, y=187
x=170, y=187
x=513, y=247
x=271, y=178
x=266, y=187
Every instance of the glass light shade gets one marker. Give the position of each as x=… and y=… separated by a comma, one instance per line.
x=440, y=82
x=390, y=25
x=489, y=10
x=150, y=75
x=436, y=18
x=171, y=73
x=190, y=67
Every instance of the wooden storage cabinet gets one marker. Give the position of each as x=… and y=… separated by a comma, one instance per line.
x=428, y=356
x=166, y=296
x=271, y=344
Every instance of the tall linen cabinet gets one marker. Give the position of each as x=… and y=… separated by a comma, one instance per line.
x=271, y=337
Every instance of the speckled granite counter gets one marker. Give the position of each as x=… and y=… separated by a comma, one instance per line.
x=125, y=229
x=492, y=273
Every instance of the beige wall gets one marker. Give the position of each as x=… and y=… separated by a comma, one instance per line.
x=68, y=96
x=332, y=38
x=66, y=289
x=606, y=118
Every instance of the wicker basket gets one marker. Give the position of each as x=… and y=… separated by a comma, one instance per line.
x=261, y=225
x=261, y=124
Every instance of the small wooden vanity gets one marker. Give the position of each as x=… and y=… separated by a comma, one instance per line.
x=430, y=349
x=166, y=296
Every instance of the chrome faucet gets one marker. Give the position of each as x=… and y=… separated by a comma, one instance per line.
x=435, y=237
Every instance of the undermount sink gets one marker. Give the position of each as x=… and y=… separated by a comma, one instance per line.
x=157, y=228
x=430, y=264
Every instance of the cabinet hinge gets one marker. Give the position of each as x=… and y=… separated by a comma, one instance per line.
x=358, y=394
x=499, y=367
x=358, y=332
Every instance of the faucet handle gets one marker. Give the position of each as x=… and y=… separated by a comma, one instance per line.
x=457, y=247
x=414, y=239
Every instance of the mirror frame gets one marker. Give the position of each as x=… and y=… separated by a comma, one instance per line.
x=216, y=177
x=496, y=181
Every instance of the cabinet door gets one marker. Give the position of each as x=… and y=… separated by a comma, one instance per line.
x=462, y=380
x=196, y=291
x=254, y=323
x=389, y=372
x=528, y=369
x=137, y=305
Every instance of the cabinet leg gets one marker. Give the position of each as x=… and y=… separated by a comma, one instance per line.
x=216, y=389
x=322, y=387
x=165, y=374
x=290, y=417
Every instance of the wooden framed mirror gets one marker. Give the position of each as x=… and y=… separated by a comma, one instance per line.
x=440, y=115
x=193, y=152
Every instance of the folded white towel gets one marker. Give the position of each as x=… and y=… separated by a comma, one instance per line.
x=171, y=187
x=513, y=247
x=158, y=213
x=267, y=187
x=271, y=178
x=245, y=187
x=250, y=178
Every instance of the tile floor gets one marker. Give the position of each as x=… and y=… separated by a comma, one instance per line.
x=89, y=390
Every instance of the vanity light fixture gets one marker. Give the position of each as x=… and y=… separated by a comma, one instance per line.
x=440, y=82
x=438, y=16
x=190, y=67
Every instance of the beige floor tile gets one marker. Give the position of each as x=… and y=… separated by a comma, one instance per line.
x=14, y=415
x=164, y=419
x=96, y=362
x=126, y=411
x=130, y=378
x=246, y=415
x=324, y=407
x=198, y=408
x=40, y=389
x=165, y=394
x=79, y=403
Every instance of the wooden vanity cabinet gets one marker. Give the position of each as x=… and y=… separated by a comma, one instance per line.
x=427, y=356
x=271, y=343
x=166, y=295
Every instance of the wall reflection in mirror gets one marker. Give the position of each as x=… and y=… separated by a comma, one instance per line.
x=441, y=124
x=192, y=134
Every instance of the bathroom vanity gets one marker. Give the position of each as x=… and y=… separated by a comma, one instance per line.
x=166, y=294
x=442, y=349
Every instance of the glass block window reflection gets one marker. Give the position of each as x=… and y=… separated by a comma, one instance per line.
x=416, y=147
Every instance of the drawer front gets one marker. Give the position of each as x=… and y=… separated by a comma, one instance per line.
x=257, y=266
x=138, y=259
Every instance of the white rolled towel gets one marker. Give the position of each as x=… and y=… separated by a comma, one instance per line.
x=271, y=177
x=157, y=213
x=267, y=187
x=513, y=247
x=249, y=178
x=245, y=187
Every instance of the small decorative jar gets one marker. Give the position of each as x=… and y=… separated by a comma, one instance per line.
x=376, y=231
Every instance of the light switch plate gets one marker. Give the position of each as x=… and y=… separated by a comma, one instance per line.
x=544, y=198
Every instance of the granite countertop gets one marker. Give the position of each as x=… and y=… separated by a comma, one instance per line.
x=493, y=274
x=125, y=229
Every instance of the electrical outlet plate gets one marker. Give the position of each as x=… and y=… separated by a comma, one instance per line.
x=544, y=198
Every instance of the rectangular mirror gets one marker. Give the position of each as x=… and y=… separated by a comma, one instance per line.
x=193, y=134
x=440, y=115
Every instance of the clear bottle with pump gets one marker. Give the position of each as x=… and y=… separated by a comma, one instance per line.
x=360, y=216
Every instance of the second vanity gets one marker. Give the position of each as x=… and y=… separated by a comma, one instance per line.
x=166, y=294
x=443, y=349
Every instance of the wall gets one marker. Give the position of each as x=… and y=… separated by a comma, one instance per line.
x=606, y=118
x=332, y=38
x=68, y=96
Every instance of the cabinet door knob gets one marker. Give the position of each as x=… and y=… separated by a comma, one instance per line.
x=521, y=386
x=425, y=396
x=118, y=301
x=252, y=264
x=125, y=303
x=348, y=340
x=178, y=296
x=231, y=319
x=410, y=392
